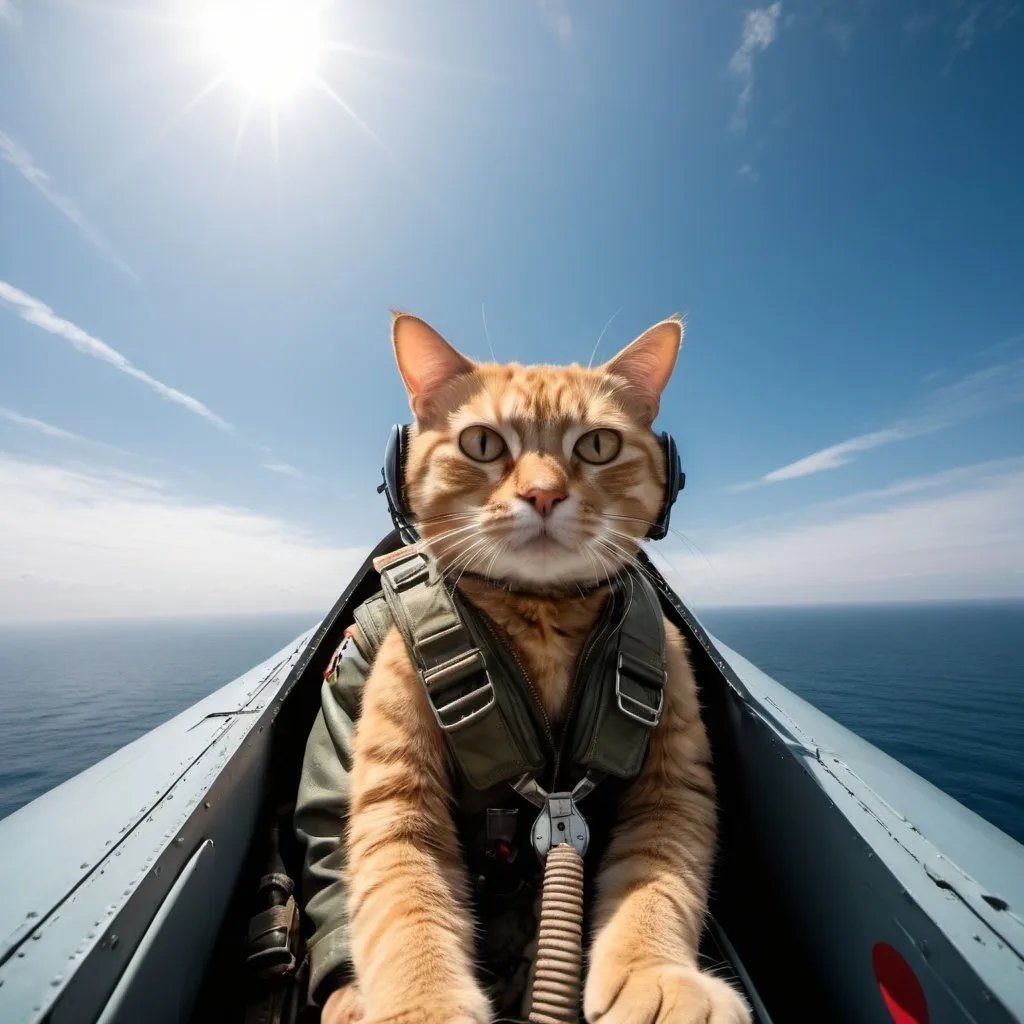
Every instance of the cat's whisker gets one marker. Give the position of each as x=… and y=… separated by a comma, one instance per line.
x=448, y=534
x=636, y=563
x=473, y=548
x=688, y=541
x=460, y=556
x=449, y=515
x=465, y=558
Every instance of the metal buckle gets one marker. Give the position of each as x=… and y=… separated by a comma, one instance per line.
x=479, y=700
x=643, y=673
x=559, y=822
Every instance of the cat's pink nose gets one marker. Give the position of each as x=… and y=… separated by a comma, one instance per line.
x=544, y=499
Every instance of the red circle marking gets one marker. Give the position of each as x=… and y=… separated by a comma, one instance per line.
x=902, y=992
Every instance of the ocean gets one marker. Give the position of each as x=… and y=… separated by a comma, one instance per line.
x=940, y=687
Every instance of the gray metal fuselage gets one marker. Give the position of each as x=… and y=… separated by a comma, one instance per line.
x=117, y=881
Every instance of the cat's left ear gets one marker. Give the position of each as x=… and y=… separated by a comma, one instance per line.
x=647, y=363
x=425, y=360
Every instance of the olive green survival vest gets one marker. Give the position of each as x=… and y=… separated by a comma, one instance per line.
x=494, y=724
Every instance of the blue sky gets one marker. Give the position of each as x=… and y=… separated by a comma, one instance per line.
x=195, y=375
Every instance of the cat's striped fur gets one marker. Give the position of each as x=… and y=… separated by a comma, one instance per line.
x=412, y=936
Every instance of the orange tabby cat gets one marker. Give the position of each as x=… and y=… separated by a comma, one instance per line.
x=542, y=478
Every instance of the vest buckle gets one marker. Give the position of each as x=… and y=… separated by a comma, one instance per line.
x=649, y=678
x=456, y=714
x=559, y=822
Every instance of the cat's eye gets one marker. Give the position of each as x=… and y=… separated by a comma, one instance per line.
x=599, y=446
x=482, y=444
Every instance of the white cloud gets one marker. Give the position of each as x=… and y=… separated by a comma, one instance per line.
x=40, y=315
x=967, y=28
x=284, y=468
x=21, y=160
x=10, y=12
x=760, y=28
x=88, y=543
x=41, y=427
x=953, y=535
x=976, y=394
x=748, y=172
x=58, y=433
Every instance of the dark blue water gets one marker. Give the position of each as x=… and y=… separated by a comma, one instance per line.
x=72, y=693
x=939, y=687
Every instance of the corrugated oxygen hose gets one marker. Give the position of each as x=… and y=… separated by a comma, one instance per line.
x=557, y=977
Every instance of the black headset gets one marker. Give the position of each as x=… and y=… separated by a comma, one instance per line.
x=393, y=486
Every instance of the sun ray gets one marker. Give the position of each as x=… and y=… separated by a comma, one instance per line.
x=142, y=151
x=357, y=120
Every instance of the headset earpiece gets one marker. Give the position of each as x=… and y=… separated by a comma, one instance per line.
x=675, y=481
x=393, y=473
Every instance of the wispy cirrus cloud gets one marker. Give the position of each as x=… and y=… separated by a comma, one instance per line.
x=30, y=423
x=963, y=23
x=958, y=534
x=13, y=153
x=37, y=313
x=10, y=12
x=92, y=543
x=976, y=394
x=760, y=28
x=284, y=469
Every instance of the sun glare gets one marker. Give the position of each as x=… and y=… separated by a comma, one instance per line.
x=270, y=49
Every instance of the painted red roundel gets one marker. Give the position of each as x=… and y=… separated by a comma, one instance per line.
x=901, y=990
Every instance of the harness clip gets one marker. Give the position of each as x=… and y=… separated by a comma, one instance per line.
x=559, y=822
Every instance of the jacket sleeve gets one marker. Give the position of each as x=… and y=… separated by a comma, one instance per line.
x=321, y=813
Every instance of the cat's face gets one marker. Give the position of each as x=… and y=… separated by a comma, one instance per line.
x=538, y=476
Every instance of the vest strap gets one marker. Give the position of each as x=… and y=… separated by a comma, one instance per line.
x=456, y=675
x=622, y=705
x=479, y=698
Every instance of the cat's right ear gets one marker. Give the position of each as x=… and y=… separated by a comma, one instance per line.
x=425, y=360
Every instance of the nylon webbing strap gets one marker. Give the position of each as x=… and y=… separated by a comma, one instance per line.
x=453, y=671
x=624, y=705
x=640, y=660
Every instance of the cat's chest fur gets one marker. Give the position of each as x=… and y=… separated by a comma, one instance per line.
x=548, y=636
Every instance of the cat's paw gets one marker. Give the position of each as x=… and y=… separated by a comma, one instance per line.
x=661, y=994
x=470, y=1006
x=343, y=1006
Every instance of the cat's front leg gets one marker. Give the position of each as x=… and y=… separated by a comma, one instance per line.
x=411, y=928
x=652, y=889
x=344, y=1006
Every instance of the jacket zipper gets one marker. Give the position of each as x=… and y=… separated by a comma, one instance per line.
x=498, y=635
x=574, y=686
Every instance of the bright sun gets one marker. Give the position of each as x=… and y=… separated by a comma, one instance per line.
x=271, y=49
